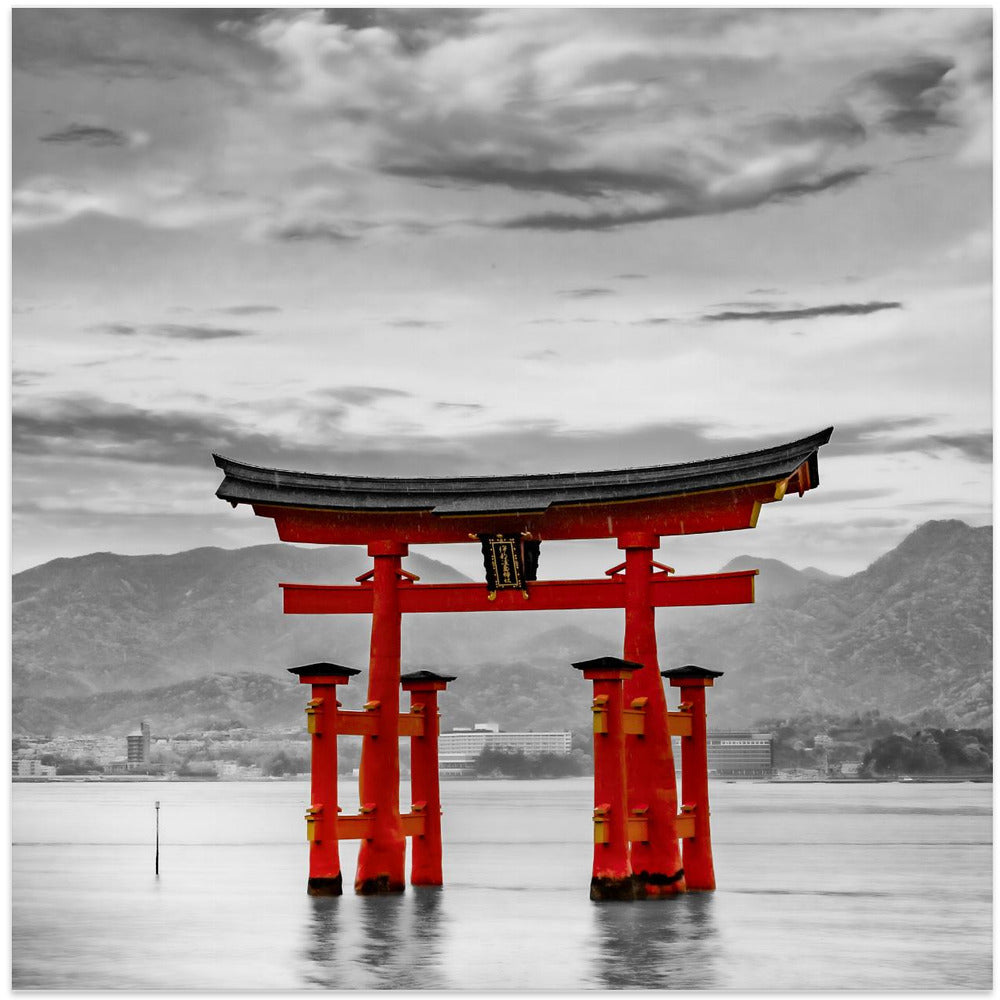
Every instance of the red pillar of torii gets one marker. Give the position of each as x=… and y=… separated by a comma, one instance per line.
x=510, y=516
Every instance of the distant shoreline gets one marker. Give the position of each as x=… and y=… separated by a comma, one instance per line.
x=946, y=780
x=302, y=779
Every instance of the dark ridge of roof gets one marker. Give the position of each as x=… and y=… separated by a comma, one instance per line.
x=424, y=675
x=323, y=670
x=691, y=671
x=607, y=663
x=512, y=494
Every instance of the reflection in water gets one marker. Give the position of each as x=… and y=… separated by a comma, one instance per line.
x=324, y=933
x=383, y=951
x=657, y=944
x=427, y=920
x=893, y=876
x=376, y=942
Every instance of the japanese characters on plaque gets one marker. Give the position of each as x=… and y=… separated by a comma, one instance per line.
x=511, y=561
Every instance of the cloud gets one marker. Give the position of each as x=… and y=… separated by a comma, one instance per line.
x=579, y=182
x=415, y=324
x=87, y=135
x=48, y=201
x=839, y=127
x=579, y=120
x=734, y=197
x=127, y=44
x=173, y=331
x=981, y=509
x=119, y=356
x=587, y=293
x=631, y=277
x=417, y=30
x=566, y=321
x=915, y=94
x=652, y=321
x=25, y=377
x=154, y=196
x=896, y=435
x=248, y=310
x=597, y=115
x=755, y=304
x=827, y=496
x=471, y=407
x=88, y=429
x=364, y=395
x=863, y=523
x=310, y=232
x=868, y=436
x=975, y=247
x=544, y=355
x=85, y=426
x=810, y=312
x=977, y=446
x=178, y=331
x=117, y=329
x=825, y=182
x=119, y=450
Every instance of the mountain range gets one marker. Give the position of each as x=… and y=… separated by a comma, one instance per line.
x=909, y=635
x=197, y=636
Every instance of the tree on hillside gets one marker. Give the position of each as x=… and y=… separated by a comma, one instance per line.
x=930, y=751
x=65, y=764
x=517, y=764
x=282, y=763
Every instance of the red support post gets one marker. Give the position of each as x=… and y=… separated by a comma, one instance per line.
x=425, y=786
x=652, y=784
x=699, y=869
x=382, y=857
x=325, y=877
x=612, y=872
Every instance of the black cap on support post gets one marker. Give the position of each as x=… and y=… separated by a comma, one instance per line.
x=332, y=673
x=424, y=677
x=323, y=670
x=690, y=673
x=604, y=664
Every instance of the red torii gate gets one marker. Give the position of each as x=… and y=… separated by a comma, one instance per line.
x=510, y=516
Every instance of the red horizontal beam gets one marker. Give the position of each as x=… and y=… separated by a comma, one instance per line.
x=679, y=723
x=550, y=595
x=726, y=509
x=367, y=724
x=363, y=827
x=638, y=827
x=685, y=825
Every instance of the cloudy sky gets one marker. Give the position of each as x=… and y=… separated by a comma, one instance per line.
x=491, y=241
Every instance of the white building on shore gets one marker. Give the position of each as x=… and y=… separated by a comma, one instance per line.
x=27, y=767
x=458, y=750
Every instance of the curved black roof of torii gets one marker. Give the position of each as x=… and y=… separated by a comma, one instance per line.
x=509, y=494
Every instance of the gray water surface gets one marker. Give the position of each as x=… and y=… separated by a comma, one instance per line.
x=854, y=886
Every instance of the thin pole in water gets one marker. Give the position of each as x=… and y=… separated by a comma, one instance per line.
x=157, y=838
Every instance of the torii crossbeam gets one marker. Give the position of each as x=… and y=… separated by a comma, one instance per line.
x=510, y=516
x=553, y=595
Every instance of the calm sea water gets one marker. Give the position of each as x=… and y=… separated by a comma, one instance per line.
x=821, y=887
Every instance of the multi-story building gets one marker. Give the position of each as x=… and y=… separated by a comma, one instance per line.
x=138, y=745
x=458, y=750
x=137, y=754
x=30, y=768
x=736, y=755
x=740, y=755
